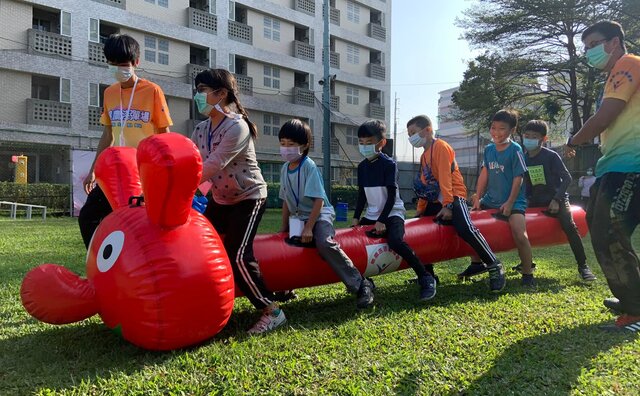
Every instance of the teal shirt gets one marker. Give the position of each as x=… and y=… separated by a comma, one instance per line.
x=300, y=187
x=502, y=167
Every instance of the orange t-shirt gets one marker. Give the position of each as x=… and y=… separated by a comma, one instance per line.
x=148, y=111
x=445, y=170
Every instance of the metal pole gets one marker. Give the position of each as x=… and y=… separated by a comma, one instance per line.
x=395, y=127
x=326, y=104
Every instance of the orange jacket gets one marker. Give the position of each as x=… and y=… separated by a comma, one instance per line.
x=445, y=170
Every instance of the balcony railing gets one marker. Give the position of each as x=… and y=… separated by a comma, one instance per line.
x=94, y=118
x=334, y=60
x=96, y=53
x=240, y=32
x=115, y=3
x=303, y=50
x=49, y=43
x=193, y=71
x=376, y=71
x=245, y=83
x=335, y=103
x=203, y=21
x=377, y=31
x=306, y=6
x=375, y=110
x=48, y=112
x=303, y=96
x=334, y=16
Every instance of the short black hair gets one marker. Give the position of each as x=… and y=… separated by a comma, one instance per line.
x=510, y=116
x=538, y=126
x=121, y=48
x=297, y=131
x=372, y=128
x=609, y=29
x=422, y=121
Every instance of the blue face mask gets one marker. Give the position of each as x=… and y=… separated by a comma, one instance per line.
x=368, y=150
x=204, y=108
x=531, y=144
x=597, y=57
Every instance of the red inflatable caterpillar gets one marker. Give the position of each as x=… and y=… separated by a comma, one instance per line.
x=157, y=273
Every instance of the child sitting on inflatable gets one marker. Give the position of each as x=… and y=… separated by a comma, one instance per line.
x=306, y=211
x=500, y=186
x=440, y=186
x=547, y=181
x=378, y=188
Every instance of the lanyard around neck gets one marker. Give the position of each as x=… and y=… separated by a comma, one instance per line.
x=297, y=196
x=212, y=131
x=124, y=118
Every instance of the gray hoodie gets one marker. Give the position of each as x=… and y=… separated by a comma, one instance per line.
x=229, y=160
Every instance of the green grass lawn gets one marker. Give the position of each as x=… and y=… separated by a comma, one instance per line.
x=466, y=341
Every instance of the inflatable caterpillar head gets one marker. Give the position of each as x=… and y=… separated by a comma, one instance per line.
x=157, y=271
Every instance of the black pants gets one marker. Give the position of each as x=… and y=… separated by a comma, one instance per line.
x=570, y=229
x=461, y=222
x=93, y=211
x=238, y=225
x=613, y=214
x=395, y=240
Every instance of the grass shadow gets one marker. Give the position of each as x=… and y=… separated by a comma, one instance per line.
x=545, y=364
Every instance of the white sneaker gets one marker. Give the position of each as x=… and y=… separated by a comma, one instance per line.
x=267, y=322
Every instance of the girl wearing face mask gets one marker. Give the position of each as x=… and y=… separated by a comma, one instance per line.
x=226, y=141
x=306, y=211
x=133, y=109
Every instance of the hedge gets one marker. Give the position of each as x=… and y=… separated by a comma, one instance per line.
x=348, y=194
x=54, y=196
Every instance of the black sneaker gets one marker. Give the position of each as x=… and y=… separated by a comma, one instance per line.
x=518, y=268
x=415, y=280
x=427, y=287
x=365, y=294
x=285, y=295
x=585, y=273
x=613, y=304
x=624, y=324
x=497, y=280
x=528, y=280
x=472, y=270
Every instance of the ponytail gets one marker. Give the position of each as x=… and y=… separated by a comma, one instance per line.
x=252, y=127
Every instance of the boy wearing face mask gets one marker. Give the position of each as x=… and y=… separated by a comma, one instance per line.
x=547, y=181
x=378, y=189
x=585, y=182
x=134, y=108
x=306, y=211
x=442, y=193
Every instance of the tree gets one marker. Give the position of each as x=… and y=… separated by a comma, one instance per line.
x=533, y=60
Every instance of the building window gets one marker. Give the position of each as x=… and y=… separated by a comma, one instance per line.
x=270, y=171
x=94, y=95
x=270, y=124
x=43, y=25
x=353, y=95
x=352, y=135
x=353, y=12
x=272, y=77
x=156, y=50
x=271, y=29
x=353, y=54
x=65, y=90
x=161, y=3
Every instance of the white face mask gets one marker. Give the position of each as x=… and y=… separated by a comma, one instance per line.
x=417, y=141
x=230, y=114
x=121, y=73
x=507, y=140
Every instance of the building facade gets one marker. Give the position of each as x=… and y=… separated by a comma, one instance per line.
x=53, y=71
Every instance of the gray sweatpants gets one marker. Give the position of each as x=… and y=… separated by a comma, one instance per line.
x=330, y=251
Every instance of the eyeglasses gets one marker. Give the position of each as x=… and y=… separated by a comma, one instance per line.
x=595, y=44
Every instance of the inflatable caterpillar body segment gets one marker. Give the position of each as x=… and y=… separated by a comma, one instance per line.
x=287, y=267
x=157, y=271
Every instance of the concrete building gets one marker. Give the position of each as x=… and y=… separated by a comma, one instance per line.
x=53, y=72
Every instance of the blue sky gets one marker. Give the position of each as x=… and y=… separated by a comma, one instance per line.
x=427, y=56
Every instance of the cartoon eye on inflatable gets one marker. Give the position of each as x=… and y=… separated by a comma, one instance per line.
x=110, y=251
